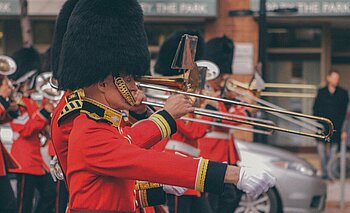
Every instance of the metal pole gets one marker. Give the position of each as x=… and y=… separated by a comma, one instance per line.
x=342, y=173
x=262, y=37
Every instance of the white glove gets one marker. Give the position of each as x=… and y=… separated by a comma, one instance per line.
x=174, y=190
x=55, y=170
x=254, y=181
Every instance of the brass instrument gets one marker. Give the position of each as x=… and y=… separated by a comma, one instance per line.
x=236, y=86
x=212, y=123
x=7, y=65
x=184, y=51
x=43, y=86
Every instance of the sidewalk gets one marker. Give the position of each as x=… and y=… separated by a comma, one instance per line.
x=333, y=188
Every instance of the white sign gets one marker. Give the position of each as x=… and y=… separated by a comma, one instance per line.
x=243, y=62
x=308, y=7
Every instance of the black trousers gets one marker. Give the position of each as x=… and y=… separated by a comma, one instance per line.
x=7, y=201
x=228, y=201
x=188, y=204
x=61, y=197
x=26, y=185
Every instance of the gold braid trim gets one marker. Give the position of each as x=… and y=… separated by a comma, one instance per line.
x=146, y=185
x=201, y=174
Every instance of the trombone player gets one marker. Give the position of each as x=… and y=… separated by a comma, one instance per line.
x=104, y=47
x=33, y=173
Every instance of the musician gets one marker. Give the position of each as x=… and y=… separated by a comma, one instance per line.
x=33, y=173
x=218, y=144
x=184, y=141
x=8, y=111
x=103, y=160
x=69, y=107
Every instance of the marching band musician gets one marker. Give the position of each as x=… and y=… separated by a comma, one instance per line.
x=184, y=141
x=61, y=192
x=69, y=107
x=218, y=144
x=104, y=47
x=8, y=111
x=33, y=173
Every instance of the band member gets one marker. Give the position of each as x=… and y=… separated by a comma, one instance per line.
x=184, y=141
x=69, y=107
x=103, y=161
x=33, y=173
x=218, y=144
x=8, y=111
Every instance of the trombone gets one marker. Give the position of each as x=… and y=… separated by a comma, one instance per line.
x=269, y=109
x=184, y=61
x=164, y=97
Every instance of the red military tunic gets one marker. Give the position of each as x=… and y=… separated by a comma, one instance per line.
x=184, y=141
x=60, y=131
x=104, y=162
x=218, y=144
x=26, y=145
x=62, y=123
x=7, y=161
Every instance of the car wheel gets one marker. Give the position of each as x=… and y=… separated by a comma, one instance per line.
x=266, y=203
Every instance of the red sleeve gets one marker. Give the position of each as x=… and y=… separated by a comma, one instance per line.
x=191, y=130
x=107, y=153
x=26, y=125
x=159, y=126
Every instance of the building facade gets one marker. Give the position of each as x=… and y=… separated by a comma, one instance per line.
x=302, y=46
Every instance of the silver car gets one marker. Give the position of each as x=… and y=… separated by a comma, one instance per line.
x=298, y=189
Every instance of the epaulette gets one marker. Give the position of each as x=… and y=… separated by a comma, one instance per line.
x=99, y=112
x=21, y=103
x=73, y=105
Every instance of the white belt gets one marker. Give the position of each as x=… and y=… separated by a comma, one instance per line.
x=182, y=147
x=218, y=135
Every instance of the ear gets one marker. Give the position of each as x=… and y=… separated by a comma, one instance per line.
x=102, y=85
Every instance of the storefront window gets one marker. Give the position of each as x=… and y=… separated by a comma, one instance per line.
x=294, y=37
x=43, y=34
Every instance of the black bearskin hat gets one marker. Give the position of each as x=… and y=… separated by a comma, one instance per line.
x=60, y=30
x=103, y=37
x=168, y=50
x=27, y=60
x=220, y=51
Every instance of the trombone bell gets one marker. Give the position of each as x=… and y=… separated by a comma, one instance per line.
x=191, y=81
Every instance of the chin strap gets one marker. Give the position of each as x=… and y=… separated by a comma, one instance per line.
x=124, y=90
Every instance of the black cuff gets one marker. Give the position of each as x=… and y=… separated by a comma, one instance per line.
x=210, y=107
x=169, y=119
x=4, y=103
x=45, y=113
x=139, y=117
x=14, y=114
x=156, y=196
x=214, y=180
